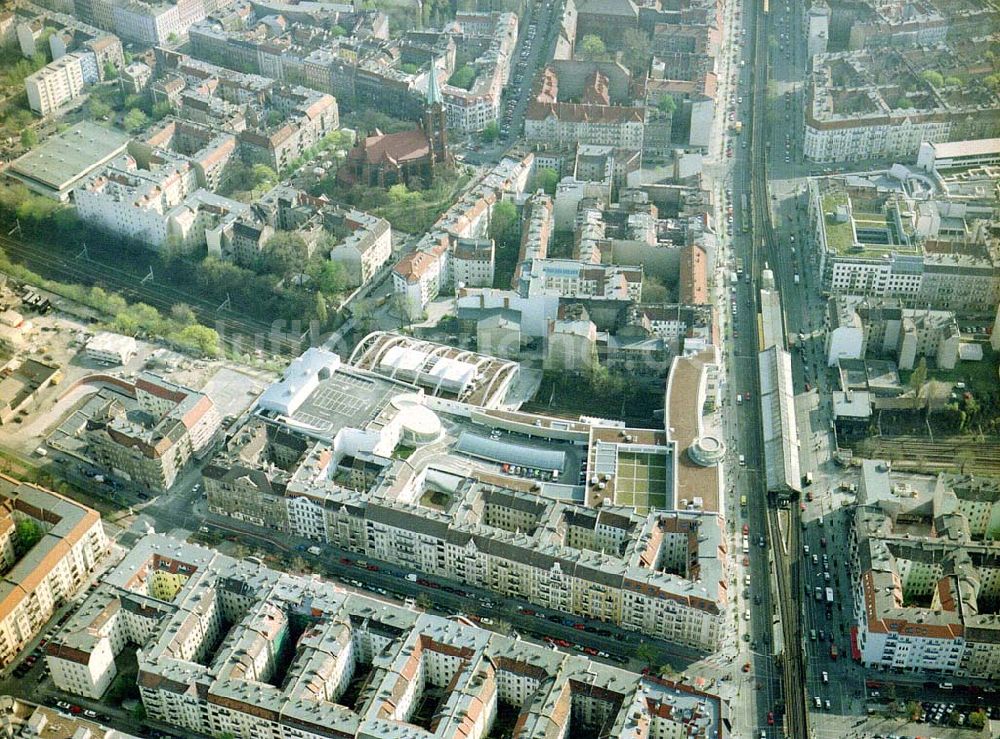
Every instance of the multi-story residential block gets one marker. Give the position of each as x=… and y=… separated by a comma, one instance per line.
x=878, y=239
x=421, y=276
x=157, y=206
x=366, y=244
x=472, y=263
x=490, y=38
x=305, y=118
x=894, y=23
x=573, y=279
x=61, y=81
x=877, y=104
x=230, y=646
x=210, y=151
x=151, y=434
x=153, y=23
x=51, y=571
x=571, y=345
x=604, y=115
x=865, y=328
x=536, y=231
x=923, y=564
x=638, y=564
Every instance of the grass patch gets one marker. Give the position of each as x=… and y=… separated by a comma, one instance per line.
x=839, y=235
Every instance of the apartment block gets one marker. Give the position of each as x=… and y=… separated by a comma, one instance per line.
x=606, y=113
x=230, y=646
x=366, y=244
x=37, y=581
x=155, y=206
x=419, y=277
x=924, y=566
x=887, y=235
x=875, y=104
x=149, y=433
x=154, y=23
x=863, y=328
x=60, y=82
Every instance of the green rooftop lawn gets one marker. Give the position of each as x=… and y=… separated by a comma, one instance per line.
x=839, y=236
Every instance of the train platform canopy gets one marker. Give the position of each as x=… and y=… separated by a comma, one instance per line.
x=777, y=407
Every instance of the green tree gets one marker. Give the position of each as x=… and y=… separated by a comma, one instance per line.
x=182, y=314
x=162, y=109
x=977, y=720
x=490, y=133
x=667, y=105
x=27, y=533
x=654, y=291
x=952, y=81
x=647, y=653
x=592, y=47
x=29, y=138
x=546, y=179
x=110, y=71
x=919, y=377
x=198, y=338
x=338, y=31
x=322, y=314
x=636, y=50
x=98, y=109
x=505, y=226
x=913, y=710
x=134, y=120
x=463, y=77
x=284, y=253
x=263, y=177
x=932, y=77
x=327, y=276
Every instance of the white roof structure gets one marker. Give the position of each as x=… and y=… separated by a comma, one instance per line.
x=777, y=409
x=772, y=319
x=106, y=342
x=300, y=379
x=446, y=372
x=441, y=370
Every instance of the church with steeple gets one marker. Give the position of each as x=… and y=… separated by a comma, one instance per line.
x=410, y=157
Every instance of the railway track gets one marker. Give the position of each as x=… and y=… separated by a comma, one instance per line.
x=964, y=455
x=763, y=248
x=235, y=331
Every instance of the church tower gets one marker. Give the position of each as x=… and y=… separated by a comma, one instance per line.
x=435, y=122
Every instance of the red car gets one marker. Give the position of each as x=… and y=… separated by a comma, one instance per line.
x=372, y=568
x=746, y=529
x=770, y=718
x=346, y=561
x=579, y=627
x=746, y=561
x=746, y=667
x=591, y=651
x=562, y=642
